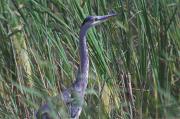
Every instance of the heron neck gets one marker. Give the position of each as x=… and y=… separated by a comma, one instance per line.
x=82, y=77
x=83, y=50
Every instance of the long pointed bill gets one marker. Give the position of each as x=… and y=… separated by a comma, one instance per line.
x=106, y=17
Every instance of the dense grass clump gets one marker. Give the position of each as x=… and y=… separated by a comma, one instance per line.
x=134, y=57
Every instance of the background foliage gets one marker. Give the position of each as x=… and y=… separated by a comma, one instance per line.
x=134, y=58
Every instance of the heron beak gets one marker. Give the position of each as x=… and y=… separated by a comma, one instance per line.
x=100, y=19
x=106, y=17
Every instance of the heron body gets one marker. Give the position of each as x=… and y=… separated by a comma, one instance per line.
x=73, y=97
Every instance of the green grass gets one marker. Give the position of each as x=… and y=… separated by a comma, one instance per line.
x=138, y=51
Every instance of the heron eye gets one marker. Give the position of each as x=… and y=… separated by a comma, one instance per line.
x=95, y=19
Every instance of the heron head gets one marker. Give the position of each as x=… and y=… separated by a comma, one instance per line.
x=95, y=20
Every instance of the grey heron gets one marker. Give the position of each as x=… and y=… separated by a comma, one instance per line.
x=73, y=97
